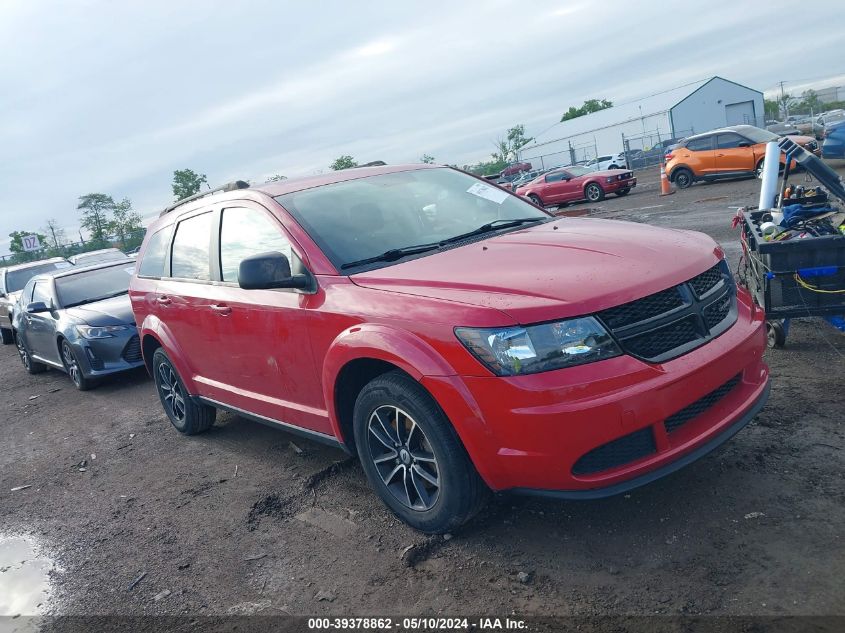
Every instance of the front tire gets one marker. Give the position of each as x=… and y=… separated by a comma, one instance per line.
x=184, y=414
x=74, y=369
x=412, y=456
x=7, y=336
x=593, y=192
x=682, y=178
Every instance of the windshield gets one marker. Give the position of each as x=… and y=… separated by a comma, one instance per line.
x=93, y=285
x=757, y=135
x=360, y=219
x=16, y=279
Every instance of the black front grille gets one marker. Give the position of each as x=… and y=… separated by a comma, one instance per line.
x=658, y=342
x=642, y=309
x=672, y=322
x=674, y=422
x=132, y=351
x=620, y=451
x=706, y=281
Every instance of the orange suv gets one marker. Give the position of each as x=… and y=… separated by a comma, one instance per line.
x=724, y=153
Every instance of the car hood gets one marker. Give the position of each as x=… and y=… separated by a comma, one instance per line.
x=605, y=173
x=114, y=311
x=564, y=268
x=801, y=140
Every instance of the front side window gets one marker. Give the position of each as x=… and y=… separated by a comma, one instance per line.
x=191, y=248
x=555, y=177
x=245, y=232
x=368, y=217
x=26, y=293
x=729, y=141
x=152, y=264
x=41, y=292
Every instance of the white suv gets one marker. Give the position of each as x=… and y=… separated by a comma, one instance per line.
x=611, y=161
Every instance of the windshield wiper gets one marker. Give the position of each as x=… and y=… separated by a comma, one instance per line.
x=95, y=299
x=393, y=254
x=495, y=225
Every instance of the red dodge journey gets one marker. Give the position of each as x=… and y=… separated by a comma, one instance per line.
x=454, y=336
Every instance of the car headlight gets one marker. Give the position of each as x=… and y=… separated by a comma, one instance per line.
x=514, y=351
x=107, y=331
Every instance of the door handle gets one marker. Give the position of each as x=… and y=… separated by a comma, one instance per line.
x=164, y=300
x=221, y=308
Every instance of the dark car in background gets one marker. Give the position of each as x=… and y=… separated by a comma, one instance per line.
x=834, y=142
x=824, y=121
x=12, y=281
x=80, y=321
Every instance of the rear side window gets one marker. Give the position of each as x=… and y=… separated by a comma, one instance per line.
x=191, y=248
x=700, y=144
x=245, y=232
x=152, y=265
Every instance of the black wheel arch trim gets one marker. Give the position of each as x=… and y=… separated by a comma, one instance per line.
x=625, y=486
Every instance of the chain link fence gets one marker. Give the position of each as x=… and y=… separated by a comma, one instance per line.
x=574, y=154
x=126, y=243
x=648, y=149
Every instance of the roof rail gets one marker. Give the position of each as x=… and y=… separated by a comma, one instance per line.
x=229, y=186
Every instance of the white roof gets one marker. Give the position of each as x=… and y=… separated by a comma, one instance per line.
x=622, y=113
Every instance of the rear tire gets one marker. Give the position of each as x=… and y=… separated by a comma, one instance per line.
x=775, y=334
x=683, y=178
x=184, y=414
x=7, y=336
x=30, y=365
x=536, y=200
x=412, y=456
x=593, y=192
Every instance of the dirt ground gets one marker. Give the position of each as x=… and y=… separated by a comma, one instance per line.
x=247, y=519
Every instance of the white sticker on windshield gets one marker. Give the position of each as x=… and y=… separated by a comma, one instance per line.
x=488, y=193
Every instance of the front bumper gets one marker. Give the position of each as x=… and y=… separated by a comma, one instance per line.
x=531, y=432
x=101, y=357
x=616, y=185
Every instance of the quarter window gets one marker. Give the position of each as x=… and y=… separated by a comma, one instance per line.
x=700, y=144
x=191, y=248
x=152, y=264
x=245, y=232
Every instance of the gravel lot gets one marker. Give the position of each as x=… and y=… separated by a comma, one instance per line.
x=248, y=519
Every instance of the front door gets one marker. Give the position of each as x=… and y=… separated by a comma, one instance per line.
x=266, y=363
x=734, y=153
x=41, y=326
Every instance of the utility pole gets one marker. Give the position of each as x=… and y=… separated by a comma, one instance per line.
x=783, y=101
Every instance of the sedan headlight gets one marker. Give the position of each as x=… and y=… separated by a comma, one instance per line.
x=514, y=351
x=107, y=331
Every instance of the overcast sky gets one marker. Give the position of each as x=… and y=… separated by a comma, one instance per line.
x=111, y=97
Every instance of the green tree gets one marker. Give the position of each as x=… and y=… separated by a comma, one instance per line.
x=186, y=182
x=428, y=159
x=343, y=162
x=589, y=106
x=811, y=101
x=784, y=102
x=772, y=108
x=96, y=208
x=126, y=224
x=276, y=178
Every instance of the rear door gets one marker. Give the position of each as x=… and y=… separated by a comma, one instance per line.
x=734, y=153
x=698, y=155
x=182, y=296
x=262, y=336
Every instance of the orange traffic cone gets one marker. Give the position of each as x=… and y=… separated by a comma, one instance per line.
x=665, y=187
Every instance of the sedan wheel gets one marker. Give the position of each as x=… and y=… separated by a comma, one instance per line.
x=73, y=369
x=31, y=366
x=593, y=192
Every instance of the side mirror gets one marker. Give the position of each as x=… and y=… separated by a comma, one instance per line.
x=37, y=306
x=744, y=144
x=270, y=270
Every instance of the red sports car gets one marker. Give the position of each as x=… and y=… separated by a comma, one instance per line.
x=577, y=183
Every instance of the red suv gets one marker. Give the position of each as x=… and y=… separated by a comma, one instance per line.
x=454, y=336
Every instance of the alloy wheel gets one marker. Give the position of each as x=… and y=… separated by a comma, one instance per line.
x=403, y=458
x=73, y=369
x=171, y=391
x=593, y=193
x=23, y=353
